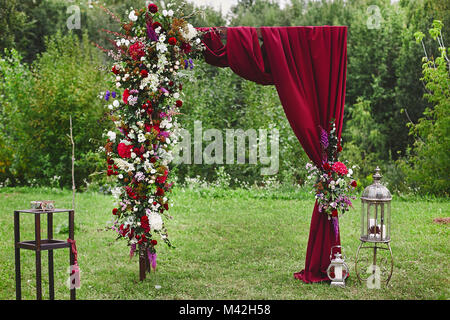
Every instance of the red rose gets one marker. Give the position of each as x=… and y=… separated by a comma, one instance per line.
x=110, y=161
x=125, y=96
x=179, y=103
x=171, y=83
x=144, y=73
x=334, y=213
x=114, y=211
x=339, y=147
x=109, y=172
x=154, y=242
x=144, y=224
x=326, y=166
x=172, y=41
x=166, y=206
x=153, y=8
x=353, y=184
x=124, y=151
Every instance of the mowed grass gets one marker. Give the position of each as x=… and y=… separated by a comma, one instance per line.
x=229, y=245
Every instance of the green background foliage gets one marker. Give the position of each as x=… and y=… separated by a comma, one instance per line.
x=49, y=73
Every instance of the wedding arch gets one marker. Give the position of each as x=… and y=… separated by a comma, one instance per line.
x=306, y=64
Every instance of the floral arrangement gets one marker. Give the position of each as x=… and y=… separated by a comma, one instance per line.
x=151, y=57
x=333, y=183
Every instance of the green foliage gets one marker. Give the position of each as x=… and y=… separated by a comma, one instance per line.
x=427, y=168
x=64, y=81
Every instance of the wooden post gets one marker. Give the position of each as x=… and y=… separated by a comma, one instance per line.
x=142, y=262
x=17, y=255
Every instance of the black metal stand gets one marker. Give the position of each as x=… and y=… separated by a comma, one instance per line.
x=38, y=245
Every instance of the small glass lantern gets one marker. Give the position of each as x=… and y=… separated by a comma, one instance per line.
x=337, y=270
x=376, y=232
x=376, y=211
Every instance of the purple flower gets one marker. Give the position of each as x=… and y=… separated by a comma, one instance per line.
x=151, y=34
x=113, y=94
x=107, y=95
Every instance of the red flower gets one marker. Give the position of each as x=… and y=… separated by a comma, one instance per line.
x=153, y=8
x=114, y=70
x=156, y=25
x=161, y=179
x=110, y=161
x=159, y=191
x=114, y=211
x=353, y=184
x=136, y=51
x=179, y=103
x=334, y=213
x=124, y=151
x=172, y=41
x=144, y=224
x=144, y=73
x=166, y=206
x=326, y=166
x=186, y=47
x=339, y=147
x=154, y=242
x=125, y=96
x=340, y=168
x=149, y=128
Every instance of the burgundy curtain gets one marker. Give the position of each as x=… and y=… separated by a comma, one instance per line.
x=308, y=67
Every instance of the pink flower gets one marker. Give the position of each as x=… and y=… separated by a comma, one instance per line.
x=340, y=168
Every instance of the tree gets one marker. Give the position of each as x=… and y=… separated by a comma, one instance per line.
x=428, y=166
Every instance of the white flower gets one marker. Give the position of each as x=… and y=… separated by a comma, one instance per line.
x=164, y=13
x=133, y=155
x=132, y=16
x=155, y=221
x=141, y=138
x=190, y=33
x=110, y=107
x=161, y=47
x=170, y=13
x=120, y=176
x=116, y=103
x=111, y=136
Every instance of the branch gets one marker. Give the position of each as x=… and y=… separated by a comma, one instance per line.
x=73, y=164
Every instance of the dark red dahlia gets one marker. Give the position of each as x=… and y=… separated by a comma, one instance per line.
x=153, y=8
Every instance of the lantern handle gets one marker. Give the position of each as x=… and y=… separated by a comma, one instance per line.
x=331, y=254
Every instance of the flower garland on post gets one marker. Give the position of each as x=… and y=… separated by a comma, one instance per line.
x=333, y=182
x=150, y=60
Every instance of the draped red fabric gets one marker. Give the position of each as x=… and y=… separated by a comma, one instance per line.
x=308, y=67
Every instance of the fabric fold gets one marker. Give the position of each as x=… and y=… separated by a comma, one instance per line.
x=308, y=67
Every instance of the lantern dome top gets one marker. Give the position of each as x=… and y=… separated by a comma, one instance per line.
x=376, y=191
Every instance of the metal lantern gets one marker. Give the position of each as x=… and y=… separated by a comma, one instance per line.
x=337, y=270
x=376, y=224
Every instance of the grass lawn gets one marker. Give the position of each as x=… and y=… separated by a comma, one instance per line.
x=229, y=245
